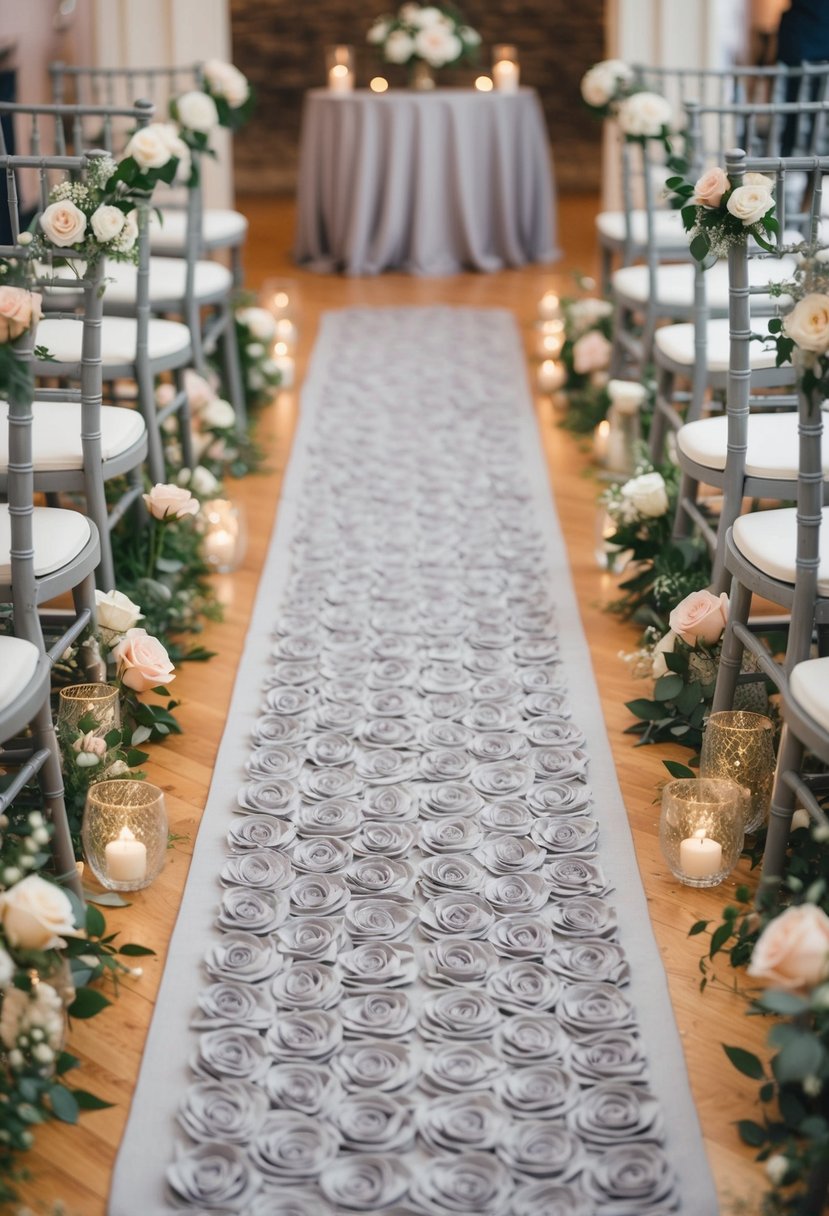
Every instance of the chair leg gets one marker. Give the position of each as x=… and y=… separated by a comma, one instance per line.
x=731, y=656
x=146, y=402
x=96, y=507
x=232, y=371
x=688, y=489
x=606, y=269
x=617, y=354
x=664, y=393
x=185, y=423
x=50, y=780
x=782, y=809
x=236, y=266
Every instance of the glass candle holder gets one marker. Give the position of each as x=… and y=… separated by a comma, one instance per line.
x=549, y=307
x=124, y=833
x=280, y=297
x=339, y=64
x=506, y=74
x=225, y=534
x=101, y=700
x=740, y=745
x=701, y=828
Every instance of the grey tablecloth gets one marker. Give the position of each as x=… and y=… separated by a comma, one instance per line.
x=431, y=183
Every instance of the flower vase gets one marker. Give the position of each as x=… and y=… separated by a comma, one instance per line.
x=421, y=75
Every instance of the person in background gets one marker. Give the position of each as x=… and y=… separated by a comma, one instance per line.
x=803, y=37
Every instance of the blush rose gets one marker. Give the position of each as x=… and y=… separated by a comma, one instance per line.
x=19, y=309
x=793, y=950
x=700, y=617
x=142, y=662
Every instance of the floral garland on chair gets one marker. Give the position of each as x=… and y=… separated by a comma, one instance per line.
x=717, y=214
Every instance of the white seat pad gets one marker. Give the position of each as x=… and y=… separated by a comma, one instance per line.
x=809, y=685
x=56, y=434
x=219, y=227
x=667, y=228
x=118, y=339
x=773, y=444
x=59, y=536
x=168, y=278
x=18, y=664
x=677, y=344
x=675, y=284
x=768, y=539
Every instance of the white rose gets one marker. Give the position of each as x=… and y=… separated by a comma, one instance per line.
x=199, y=392
x=643, y=115
x=129, y=233
x=259, y=321
x=116, y=611
x=586, y=313
x=426, y=16
x=409, y=13
x=469, y=36
x=792, y=952
x=197, y=111
x=603, y=80
x=254, y=350
x=7, y=968
x=378, y=32
x=438, y=45
x=626, y=396
x=665, y=645
x=750, y=203
x=808, y=323
x=218, y=415
x=178, y=148
x=227, y=81
x=759, y=179
x=35, y=913
x=149, y=146
x=399, y=47
x=200, y=480
x=63, y=223
x=647, y=494
x=107, y=222
x=777, y=1167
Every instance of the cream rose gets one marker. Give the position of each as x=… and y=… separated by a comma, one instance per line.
x=259, y=321
x=602, y=82
x=750, y=203
x=399, y=47
x=700, y=617
x=177, y=147
x=167, y=501
x=63, y=223
x=90, y=745
x=437, y=44
x=586, y=313
x=7, y=968
x=808, y=323
x=129, y=233
x=644, y=115
x=646, y=494
x=793, y=950
x=218, y=414
x=142, y=661
x=709, y=189
x=36, y=915
x=197, y=111
x=200, y=480
x=226, y=81
x=759, y=179
x=378, y=32
x=19, y=309
x=106, y=222
x=149, y=146
x=116, y=611
x=591, y=353
x=665, y=645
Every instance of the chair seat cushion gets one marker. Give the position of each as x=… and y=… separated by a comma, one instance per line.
x=675, y=284
x=219, y=228
x=18, y=664
x=168, y=278
x=62, y=338
x=676, y=342
x=667, y=228
x=56, y=434
x=58, y=536
x=773, y=445
x=809, y=685
x=768, y=539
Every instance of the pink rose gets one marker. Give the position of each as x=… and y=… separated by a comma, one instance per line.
x=591, y=353
x=63, y=223
x=142, y=661
x=92, y=744
x=700, y=617
x=167, y=501
x=793, y=949
x=19, y=309
x=709, y=189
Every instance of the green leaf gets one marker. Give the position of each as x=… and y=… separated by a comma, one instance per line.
x=95, y=923
x=767, y=1092
x=65, y=1063
x=801, y=1057
x=745, y=1062
x=136, y=758
x=689, y=216
x=108, y=899
x=775, y=325
x=785, y=1003
x=63, y=1103
x=700, y=247
x=140, y=735
x=134, y=951
x=88, y=1101
x=673, y=182
x=718, y=939
x=647, y=710
x=680, y=770
x=698, y=926
x=87, y=1003
x=676, y=662
x=667, y=687
x=751, y=1133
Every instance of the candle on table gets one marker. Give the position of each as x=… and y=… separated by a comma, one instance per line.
x=600, y=437
x=700, y=856
x=284, y=363
x=483, y=84
x=286, y=332
x=550, y=376
x=506, y=75
x=340, y=79
x=549, y=307
x=126, y=858
x=378, y=84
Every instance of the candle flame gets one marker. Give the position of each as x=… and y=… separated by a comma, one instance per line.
x=483, y=84
x=378, y=84
x=126, y=834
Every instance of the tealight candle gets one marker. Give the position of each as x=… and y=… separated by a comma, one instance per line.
x=126, y=858
x=549, y=307
x=284, y=363
x=505, y=70
x=340, y=64
x=483, y=84
x=286, y=332
x=550, y=376
x=600, y=438
x=700, y=856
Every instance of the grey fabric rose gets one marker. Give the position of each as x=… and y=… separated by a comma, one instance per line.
x=336, y=715
x=330, y=748
x=587, y=1008
x=366, y=1182
x=456, y=960
x=608, y=1055
x=271, y=760
x=229, y=1111
x=321, y=855
x=392, y=673
x=229, y=1052
x=450, y=836
x=251, y=911
x=512, y=893
x=380, y=876
x=539, y=1091
x=291, y=1145
x=559, y=798
x=567, y=833
x=457, y=1067
x=271, y=796
x=293, y=673
x=318, y=894
x=390, y=804
x=391, y=703
x=304, y=1035
x=511, y=855
x=487, y=662
x=242, y=956
x=307, y=1088
x=446, y=705
x=289, y=702
x=612, y=1112
x=310, y=937
x=373, y=1064
x=543, y=693
x=521, y=984
x=558, y=763
x=289, y=1201
x=374, y=1123
x=590, y=959
x=449, y=798
x=502, y=778
x=461, y=1123
x=322, y=784
x=263, y=869
x=229, y=1003
x=307, y=985
x=375, y=964
x=460, y=913
x=583, y=916
x=443, y=733
x=298, y=645
x=214, y=1176
x=528, y=1038
x=553, y=730
x=542, y=1149
x=390, y=839
x=278, y=728
x=385, y=766
x=444, y=677
x=455, y=872
x=573, y=875
x=498, y=745
x=510, y=817
x=378, y=919
x=492, y=715
x=332, y=817
x=260, y=832
x=344, y=688
x=386, y=732
x=377, y=1014
x=394, y=646
x=631, y=1178
x=521, y=936
x=459, y=1013
x=445, y=764
x=494, y=636
x=463, y=1183
x=550, y=1199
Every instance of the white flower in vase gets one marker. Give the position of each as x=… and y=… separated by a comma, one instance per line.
x=438, y=45
x=399, y=47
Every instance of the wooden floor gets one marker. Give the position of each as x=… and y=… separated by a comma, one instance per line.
x=74, y=1165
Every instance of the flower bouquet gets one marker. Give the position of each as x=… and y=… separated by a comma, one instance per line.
x=717, y=214
x=605, y=85
x=435, y=35
x=585, y=354
x=231, y=92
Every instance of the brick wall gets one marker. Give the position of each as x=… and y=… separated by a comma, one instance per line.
x=280, y=45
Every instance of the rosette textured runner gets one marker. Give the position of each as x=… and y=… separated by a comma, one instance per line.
x=413, y=971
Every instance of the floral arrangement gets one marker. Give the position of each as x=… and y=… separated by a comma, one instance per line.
x=20, y=311
x=643, y=116
x=230, y=91
x=434, y=34
x=255, y=334
x=717, y=214
x=585, y=355
x=218, y=446
x=606, y=84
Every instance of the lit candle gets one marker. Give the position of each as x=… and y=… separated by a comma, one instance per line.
x=506, y=74
x=220, y=547
x=550, y=376
x=126, y=858
x=700, y=856
x=550, y=339
x=600, y=437
x=378, y=84
x=549, y=306
x=340, y=79
x=483, y=84
x=286, y=332
x=284, y=363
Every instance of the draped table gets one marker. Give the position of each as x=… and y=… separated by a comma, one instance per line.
x=427, y=182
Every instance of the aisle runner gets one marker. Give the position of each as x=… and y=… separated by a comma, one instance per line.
x=413, y=970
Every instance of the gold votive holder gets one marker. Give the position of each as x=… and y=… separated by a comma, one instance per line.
x=225, y=534
x=124, y=833
x=739, y=745
x=701, y=828
x=102, y=701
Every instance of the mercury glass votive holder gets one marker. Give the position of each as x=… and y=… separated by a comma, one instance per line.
x=124, y=833
x=101, y=700
x=701, y=828
x=225, y=534
x=740, y=745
